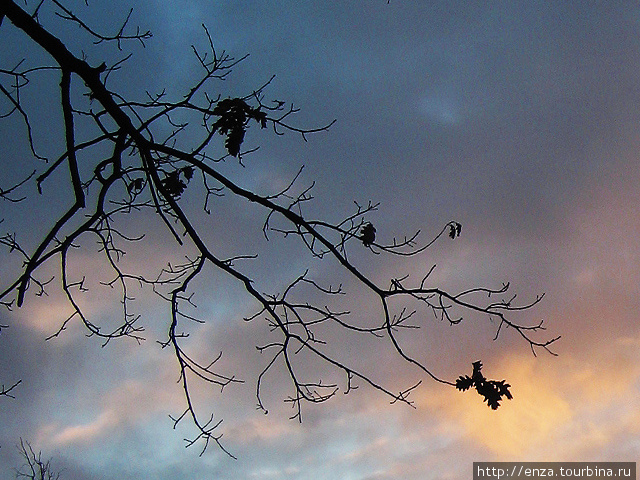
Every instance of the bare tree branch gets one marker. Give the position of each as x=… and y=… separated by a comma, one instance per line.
x=34, y=467
x=6, y=391
x=152, y=153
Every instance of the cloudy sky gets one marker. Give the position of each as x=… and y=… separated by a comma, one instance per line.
x=518, y=119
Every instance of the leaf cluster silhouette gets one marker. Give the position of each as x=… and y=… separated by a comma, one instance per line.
x=454, y=229
x=368, y=234
x=174, y=184
x=235, y=114
x=491, y=390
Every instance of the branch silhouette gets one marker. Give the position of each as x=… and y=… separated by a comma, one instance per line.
x=155, y=152
x=491, y=390
x=34, y=467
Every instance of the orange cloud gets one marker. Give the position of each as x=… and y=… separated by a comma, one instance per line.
x=563, y=407
x=529, y=420
x=104, y=423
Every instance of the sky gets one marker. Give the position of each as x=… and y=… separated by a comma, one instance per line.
x=517, y=119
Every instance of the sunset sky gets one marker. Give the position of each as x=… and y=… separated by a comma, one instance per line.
x=518, y=119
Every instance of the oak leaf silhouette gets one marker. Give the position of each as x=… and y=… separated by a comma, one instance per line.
x=454, y=229
x=188, y=172
x=368, y=234
x=135, y=186
x=491, y=390
x=235, y=114
x=173, y=184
